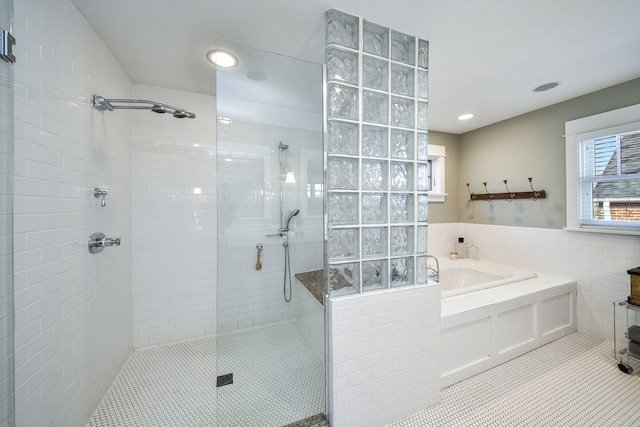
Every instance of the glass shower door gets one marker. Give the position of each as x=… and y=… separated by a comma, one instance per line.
x=6, y=228
x=270, y=341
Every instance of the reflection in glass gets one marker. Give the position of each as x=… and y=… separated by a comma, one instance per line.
x=374, y=242
x=374, y=141
x=374, y=275
x=344, y=279
x=342, y=29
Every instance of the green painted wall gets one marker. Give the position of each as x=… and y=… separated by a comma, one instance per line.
x=530, y=145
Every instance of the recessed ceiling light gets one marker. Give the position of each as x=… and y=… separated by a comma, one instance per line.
x=466, y=116
x=222, y=58
x=225, y=120
x=546, y=86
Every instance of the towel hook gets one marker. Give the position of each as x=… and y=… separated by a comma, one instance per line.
x=485, y=189
x=535, y=193
x=511, y=195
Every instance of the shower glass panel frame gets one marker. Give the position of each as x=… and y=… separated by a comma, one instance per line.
x=6, y=228
x=268, y=101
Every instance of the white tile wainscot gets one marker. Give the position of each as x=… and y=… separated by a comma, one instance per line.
x=483, y=329
x=384, y=355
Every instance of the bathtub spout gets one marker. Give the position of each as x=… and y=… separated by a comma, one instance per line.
x=436, y=271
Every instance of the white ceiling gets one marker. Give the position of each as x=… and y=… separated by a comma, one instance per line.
x=486, y=56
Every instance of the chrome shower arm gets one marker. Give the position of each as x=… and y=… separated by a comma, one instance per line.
x=104, y=104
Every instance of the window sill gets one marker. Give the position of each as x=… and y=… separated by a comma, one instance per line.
x=600, y=230
x=437, y=197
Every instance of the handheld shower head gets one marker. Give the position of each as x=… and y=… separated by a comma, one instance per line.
x=293, y=213
x=283, y=147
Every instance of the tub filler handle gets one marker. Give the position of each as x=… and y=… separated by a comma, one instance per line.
x=436, y=271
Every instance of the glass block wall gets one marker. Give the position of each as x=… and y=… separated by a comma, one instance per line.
x=377, y=175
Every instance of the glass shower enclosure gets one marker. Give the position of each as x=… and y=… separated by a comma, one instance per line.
x=270, y=341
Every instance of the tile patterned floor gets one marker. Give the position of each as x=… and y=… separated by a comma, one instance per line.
x=278, y=379
x=172, y=385
x=573, y=381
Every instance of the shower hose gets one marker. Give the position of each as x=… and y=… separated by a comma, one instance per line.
x=287, y=270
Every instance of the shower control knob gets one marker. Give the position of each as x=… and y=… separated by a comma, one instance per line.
x=98, y=241
x=110, y=241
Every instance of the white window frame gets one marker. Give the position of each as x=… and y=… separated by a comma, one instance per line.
x=604, y=124
x=437, y=155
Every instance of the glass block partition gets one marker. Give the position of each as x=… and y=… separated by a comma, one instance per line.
x=377, y=170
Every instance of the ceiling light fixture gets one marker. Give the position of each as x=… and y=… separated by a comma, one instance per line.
x=222, y=58
x=225, y=120
x=546, y=86
x=466, y=116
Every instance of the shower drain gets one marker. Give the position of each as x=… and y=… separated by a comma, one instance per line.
x=225, y=379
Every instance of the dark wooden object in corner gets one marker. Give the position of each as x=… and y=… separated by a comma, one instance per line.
x=634, y=277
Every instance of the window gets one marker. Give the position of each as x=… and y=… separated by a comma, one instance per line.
x=435, y=172
x=603, y=171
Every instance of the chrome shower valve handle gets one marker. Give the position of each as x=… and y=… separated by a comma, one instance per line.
x=98, y=241
x=97, y=193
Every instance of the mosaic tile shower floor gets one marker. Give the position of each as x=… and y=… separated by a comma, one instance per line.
x=172, y=385
x=278, y=379
x=573, y=381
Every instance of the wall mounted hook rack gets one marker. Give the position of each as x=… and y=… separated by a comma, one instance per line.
x=509, y=195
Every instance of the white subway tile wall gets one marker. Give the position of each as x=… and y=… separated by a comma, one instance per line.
x=385, y=362
x=311, y=317
x=72, y=308
x=598, y=262
x=174, y=219
x=6, y=241
x=249, y=210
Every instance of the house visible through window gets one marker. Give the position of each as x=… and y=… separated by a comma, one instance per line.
x=603, y=171
x=610, y=178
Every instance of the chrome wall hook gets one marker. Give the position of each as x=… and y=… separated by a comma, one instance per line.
x=511, y=195
x=97, y=193
x=490, y=194
x=535, y=193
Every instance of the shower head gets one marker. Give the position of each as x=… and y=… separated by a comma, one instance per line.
x=293, y=213
x=283, y=146
x=103, y=104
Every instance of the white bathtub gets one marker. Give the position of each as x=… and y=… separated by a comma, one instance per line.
x=503, y=313
x=466, y=275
